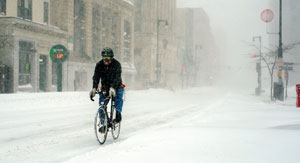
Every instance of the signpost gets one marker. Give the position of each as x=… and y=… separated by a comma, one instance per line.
x=258, y=67
x=59, y=54
x=288, y=66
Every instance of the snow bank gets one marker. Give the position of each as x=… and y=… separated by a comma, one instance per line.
x=195, y=125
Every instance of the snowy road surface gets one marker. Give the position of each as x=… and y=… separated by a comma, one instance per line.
x=196, y=125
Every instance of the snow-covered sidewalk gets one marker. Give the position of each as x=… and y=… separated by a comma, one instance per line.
x=196, y=125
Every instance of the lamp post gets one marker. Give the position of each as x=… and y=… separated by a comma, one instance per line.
x=258, y=66
x=158, y=63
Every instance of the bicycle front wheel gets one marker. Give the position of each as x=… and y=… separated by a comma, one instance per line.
x=101, y=125
x=116, y=127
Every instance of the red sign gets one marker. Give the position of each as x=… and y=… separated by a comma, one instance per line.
x=59, y=56
x=267, y=15
x=254, y=55
x=182, y=67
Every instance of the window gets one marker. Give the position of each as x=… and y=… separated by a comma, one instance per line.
x=46, y=12
x=79, y=29
x=25, y=9
x=127, y=41
x=26, y=53
x=3, y=7
x=139, y=17
x=96, y=32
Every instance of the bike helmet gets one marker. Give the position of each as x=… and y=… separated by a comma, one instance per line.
x=107, y=52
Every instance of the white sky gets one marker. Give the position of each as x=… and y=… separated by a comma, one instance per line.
x=232, y=22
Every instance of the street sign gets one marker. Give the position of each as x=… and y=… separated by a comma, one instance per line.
x=288, y=66
x=267, y=15
x=59, y=53
x=279, y=62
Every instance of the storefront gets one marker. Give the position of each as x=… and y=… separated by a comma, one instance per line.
x=27, y=53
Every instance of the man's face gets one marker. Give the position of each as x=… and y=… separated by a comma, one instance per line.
x=107, y=60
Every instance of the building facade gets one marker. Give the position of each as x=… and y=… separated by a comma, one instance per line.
x=27, y=36
x=29, y=28
x=155, y=45
x=92, y=25
x=197, y=49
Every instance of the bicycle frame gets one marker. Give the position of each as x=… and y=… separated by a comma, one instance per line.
x=110, y=117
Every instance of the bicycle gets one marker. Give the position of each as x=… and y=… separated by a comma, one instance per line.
x=108, y=120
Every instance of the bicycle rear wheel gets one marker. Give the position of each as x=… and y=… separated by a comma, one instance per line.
x=116, y=127
x=101, y=136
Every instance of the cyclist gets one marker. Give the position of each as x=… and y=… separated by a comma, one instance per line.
x=109, y=71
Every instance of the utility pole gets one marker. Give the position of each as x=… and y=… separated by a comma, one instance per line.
x=258, y=67
x=158, y=62
x=280, y=88
x=280, y=30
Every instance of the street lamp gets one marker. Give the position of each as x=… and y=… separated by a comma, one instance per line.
x=158, y=63
x=196, y=63
x=258, y=66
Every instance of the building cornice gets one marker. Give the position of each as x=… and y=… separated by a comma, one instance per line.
x=33, y=26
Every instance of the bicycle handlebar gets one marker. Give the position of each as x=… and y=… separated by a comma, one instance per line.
x=98, y=92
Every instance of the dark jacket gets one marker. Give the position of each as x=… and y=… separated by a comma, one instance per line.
x=110, y=75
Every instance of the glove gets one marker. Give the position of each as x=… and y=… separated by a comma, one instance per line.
x=92, y=94
x=112, y=92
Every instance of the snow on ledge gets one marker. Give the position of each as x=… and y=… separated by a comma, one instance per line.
x=129, y=2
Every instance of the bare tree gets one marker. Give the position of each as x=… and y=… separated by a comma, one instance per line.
x=270, y=58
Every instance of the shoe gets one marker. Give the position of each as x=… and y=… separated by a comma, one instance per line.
x=102, y=129
x=109, y=125
x=118, y=117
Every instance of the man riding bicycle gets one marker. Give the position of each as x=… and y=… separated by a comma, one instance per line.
x=109, y=71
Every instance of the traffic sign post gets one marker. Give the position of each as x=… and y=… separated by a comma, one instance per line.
x=288, y=66
x=59, y=54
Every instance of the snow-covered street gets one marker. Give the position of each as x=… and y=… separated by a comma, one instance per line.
x=195, y=125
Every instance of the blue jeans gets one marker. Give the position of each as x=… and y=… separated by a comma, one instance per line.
x=118, y=99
